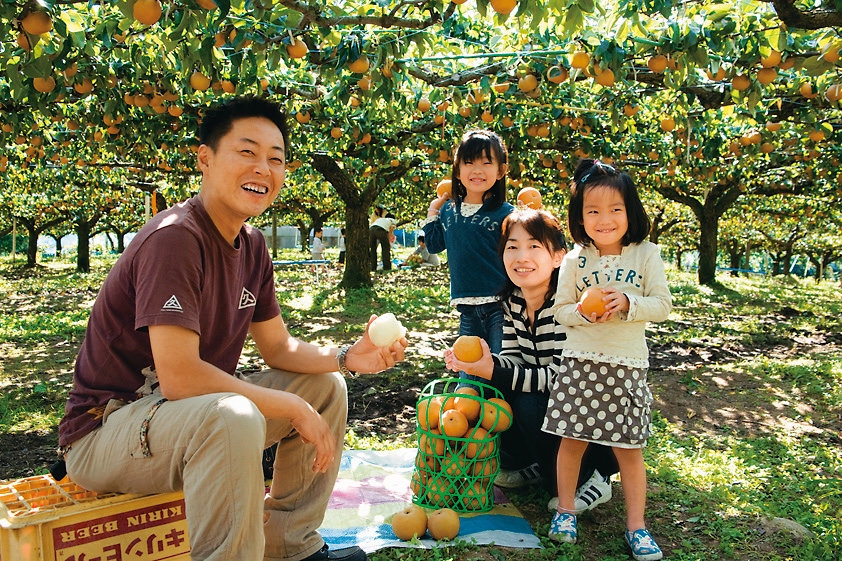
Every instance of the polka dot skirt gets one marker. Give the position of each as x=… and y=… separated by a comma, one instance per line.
x=600, y=402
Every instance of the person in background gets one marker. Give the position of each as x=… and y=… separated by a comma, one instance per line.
x=157, y=403
x=341, y=260
x=378, y=212
x=601, y=395
x=317, y=249
x=381, y=233
x=422, y=256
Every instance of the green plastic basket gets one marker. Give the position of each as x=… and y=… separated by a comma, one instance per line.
x=458, y=472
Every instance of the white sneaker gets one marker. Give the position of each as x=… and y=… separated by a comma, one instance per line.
x=512, y=479
x=594, y=491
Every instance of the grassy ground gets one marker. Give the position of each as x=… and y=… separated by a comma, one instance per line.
x=746, y=376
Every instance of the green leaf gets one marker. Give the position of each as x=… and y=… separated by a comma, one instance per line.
x=79, y=40
x=224, y=7
x=814, y=66
x=273, y=60
x=622, y=32
x=72, y=21
x=205, y=55
x=718, y=11
x=699, y=55
x=41, y=66
x=573, y=20
x=15, y=81
x=774, y=36
x=754, y=98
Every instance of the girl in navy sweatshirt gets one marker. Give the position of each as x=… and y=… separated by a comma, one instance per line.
x=468, y=227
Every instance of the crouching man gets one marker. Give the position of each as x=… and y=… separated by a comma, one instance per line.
x=157, y=404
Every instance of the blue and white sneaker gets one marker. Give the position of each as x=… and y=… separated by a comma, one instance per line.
x=563, y=528
x=643, y=545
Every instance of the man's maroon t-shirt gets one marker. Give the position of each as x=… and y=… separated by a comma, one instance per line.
x=178, y=270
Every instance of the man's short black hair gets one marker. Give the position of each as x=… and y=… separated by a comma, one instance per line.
x=219, y=119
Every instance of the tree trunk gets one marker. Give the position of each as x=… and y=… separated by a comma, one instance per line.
x=735, y=256
x=357, y=252
x=84, y=229
x=121, y=242
x=708, y=234
x=33, y=232
x=304, y=232
x=827, y=259
x=817, y=265
x=776, y=264
x=83, y=253
x=655, y=232
x=357, y=202
x=679, y=253
x=717, y=199
x=747, y=256
x=32, y=250
x=787, y=260
x=57, y=239
x=357, y=271
x=274, y=234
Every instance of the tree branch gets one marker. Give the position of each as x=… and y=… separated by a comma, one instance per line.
x=817, y=18
x=339, y=178
x=395, y=173
x=313, y=14
x=458, y=79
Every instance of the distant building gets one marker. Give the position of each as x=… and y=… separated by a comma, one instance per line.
x=289, y=237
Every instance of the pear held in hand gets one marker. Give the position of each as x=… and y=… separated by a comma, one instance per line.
x=385, y=330
x=591, y=301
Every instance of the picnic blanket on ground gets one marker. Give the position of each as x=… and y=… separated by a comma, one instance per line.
x=373, y=485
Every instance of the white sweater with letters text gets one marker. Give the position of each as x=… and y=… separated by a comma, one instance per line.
x=639, y=274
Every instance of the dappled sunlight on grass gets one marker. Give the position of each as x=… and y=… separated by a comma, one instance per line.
x=817, y=378
x=354, y=441
x=423, y=303
x=32, y=404
x=29, y=325
x=721, y=475
x=35, y=420
x=748, y=311
x=747, y=378
x=695, y=462
x=303, y=302
x=763, y=395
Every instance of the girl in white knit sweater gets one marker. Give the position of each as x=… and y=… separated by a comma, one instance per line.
x=601, y=394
